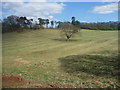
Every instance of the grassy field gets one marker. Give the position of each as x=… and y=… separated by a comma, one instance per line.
x=89, y=59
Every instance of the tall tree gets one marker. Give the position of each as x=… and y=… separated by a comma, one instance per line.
x=73, y=20
x=44, y=22
x=41, y=21
x=10, y=24
x=52, y=23
x=22, y=21
x=29, y=22
x=47, y=22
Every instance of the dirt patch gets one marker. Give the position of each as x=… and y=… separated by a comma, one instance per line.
x=17, y=81
x=22, y=61
x=25, y=62
x=13, y=81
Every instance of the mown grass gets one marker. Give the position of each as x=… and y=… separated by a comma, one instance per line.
x=89, y=59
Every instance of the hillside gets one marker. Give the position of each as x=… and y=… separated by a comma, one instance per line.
x=89, y=59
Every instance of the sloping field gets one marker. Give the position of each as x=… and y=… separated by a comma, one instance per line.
x=90, y=59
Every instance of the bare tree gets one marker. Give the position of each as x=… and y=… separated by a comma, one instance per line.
x=67, y=29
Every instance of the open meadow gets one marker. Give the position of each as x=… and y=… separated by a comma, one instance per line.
x=89, y=59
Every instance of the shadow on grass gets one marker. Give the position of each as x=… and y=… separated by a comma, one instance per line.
x=64, y=40
x=91, y=64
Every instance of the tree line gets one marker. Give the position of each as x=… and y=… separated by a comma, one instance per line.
x=100, y=26
x=14, y=23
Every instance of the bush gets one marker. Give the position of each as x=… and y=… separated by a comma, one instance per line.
x=10, y=28
x=109, y=28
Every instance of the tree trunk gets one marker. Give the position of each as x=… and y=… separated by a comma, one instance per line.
x=68, y=38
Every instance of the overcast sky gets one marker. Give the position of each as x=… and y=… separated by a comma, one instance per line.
x=83, y=11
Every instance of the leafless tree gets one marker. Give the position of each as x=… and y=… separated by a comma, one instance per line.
x=67, y=29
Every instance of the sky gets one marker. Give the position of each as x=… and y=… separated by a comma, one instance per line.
x=63, y=11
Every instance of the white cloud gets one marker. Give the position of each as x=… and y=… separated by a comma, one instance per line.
x=23, y=0
x=51, y=17
x=34, y=0
x=106, y=9
x=0, y=14
x=110, y=0
x=60, y=0
x=0, y=10
x=41, y=9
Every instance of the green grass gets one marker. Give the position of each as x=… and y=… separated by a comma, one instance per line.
x=89, y=59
